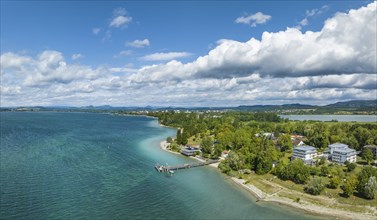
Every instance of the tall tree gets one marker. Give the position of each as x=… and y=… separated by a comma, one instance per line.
x=367, y=155
x=363, y=178
x=285, y=142
x=370, y=189
x=349, y=186
x=206, y=145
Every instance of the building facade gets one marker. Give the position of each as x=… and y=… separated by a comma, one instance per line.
x=305, y=153
x=344, y=154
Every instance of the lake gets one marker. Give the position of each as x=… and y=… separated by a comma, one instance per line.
x=101, y=166
x=344, y=118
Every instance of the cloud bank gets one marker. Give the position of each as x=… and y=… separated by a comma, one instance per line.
x=334, y=64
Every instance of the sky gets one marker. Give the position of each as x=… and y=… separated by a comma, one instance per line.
x=187, y=53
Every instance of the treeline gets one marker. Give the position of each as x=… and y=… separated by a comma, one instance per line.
x=258, y=140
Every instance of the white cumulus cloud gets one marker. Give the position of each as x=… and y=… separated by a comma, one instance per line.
x=120, y=18
x=165, y=56
x=77, y=56
x=138, y=43
x=336, y=63
x=253, y=19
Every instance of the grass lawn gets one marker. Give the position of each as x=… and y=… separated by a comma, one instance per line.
x=270, y=184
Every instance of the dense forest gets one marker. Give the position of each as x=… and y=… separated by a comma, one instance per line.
x=251, y=150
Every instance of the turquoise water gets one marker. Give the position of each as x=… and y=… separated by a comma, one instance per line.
x=344, y=118
x=100, y=166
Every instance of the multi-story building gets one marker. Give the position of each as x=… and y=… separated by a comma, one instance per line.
x=305, y=153
x=342, y=155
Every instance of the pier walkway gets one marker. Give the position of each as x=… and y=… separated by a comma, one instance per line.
x=167, y=168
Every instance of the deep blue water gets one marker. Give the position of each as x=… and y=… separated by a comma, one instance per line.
x=100, y=166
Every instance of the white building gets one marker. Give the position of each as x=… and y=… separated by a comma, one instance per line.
x=305, y=153
x=344, y=154
x=340, y=153
x=336, y=146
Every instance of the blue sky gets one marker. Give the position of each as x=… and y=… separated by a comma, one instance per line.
x=182, y=53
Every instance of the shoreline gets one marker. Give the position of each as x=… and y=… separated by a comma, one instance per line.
x=302, y=205
x=165, y=144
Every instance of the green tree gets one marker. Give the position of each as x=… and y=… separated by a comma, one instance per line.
x=184, y=138
x=234, y=161
x=315, y=186
x=265, y=154
x=285, y=142
x=367, y=155
x=363, y=178
x=362, y=135
x=179, y=136
x=296, y=171
x=370, y=189
x=350, y=166
x=206, y=145
x=335, y=182
x=325, y=170
x=169, y=140
x=349, y=186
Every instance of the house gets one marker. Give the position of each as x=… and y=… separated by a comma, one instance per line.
x=341, y=155
x=305, y=153
x=190, y=151
x=267, y=135
x=297, y=140
x=225, y=153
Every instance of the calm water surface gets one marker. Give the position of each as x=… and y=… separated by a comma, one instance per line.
x=345, y=118
x=100, y=166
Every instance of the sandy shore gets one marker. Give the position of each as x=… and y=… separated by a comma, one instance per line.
x=302, y=205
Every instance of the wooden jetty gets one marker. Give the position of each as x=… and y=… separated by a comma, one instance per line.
x=171, y=169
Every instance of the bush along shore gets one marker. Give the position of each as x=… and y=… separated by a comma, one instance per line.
x=256, y=151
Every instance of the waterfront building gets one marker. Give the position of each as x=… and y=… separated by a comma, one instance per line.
x=305, y=153
x=190, y=151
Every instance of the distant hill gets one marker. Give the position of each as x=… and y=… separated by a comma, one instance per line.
x=274, y=107
x=354, y=104
x=349, y=107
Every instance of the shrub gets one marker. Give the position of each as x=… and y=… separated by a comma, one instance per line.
x=315, y=186
x=370, y=189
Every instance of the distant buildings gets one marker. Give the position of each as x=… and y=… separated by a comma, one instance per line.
x=297, y=140
x=305, y=153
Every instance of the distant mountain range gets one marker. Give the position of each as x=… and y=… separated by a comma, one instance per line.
x=354, y=106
